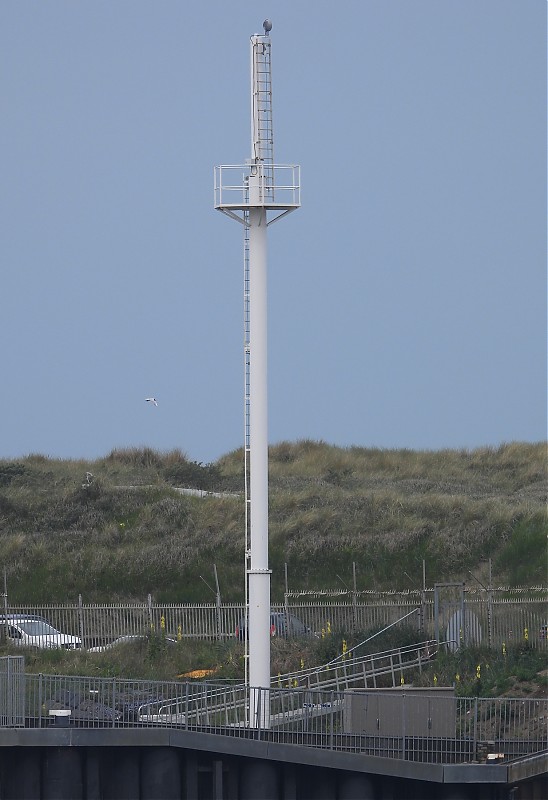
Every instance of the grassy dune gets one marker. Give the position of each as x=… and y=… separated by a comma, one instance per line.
x=125, y=532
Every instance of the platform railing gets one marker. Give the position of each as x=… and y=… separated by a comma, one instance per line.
x=278, y=186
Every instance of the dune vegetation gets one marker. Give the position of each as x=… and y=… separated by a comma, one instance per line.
x=116, y=528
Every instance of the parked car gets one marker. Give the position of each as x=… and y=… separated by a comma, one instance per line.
x=129, y=639
x=28, y=630
x=281, y=624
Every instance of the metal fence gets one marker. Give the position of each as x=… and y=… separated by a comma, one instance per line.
x=493, y=617
x=12, y=691
x=429, y=726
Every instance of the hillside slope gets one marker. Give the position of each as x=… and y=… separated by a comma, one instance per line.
x=116, y=528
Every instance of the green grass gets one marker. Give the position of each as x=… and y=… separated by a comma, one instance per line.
x=150, y=659
x=483, y=672
x=475, y=671
x=128, y=533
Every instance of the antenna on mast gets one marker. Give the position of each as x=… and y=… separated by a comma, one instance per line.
x=257, y=194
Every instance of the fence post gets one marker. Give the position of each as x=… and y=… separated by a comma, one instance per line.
x=80, y=619
x=423, y=597
x=217, y=602
x=6, y=602
x=149, y=599
x=436, y=615
x=332, y=722
x=475, y=736
x=404, y=727
x=8, y=710
x=286, y=599
x=354, y=597
x=40, y=700
x=490, y=606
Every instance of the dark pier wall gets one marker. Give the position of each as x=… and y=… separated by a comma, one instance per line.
x=172, y=773
x=173, y=764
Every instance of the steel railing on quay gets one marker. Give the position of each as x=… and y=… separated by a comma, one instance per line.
x=394, y=723
x=100, y=702
x=12, y=691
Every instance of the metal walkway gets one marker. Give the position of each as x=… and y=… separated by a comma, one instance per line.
x=350, y=673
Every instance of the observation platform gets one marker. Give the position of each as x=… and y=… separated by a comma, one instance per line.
x=241, y=187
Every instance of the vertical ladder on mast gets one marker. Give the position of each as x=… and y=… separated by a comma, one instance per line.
x=262, y=133
x=247, y=395
x=262, y=147
x=262, y=158
x=247, y=436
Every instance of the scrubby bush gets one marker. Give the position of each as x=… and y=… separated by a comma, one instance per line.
x=194, y=475
x=9, y=470
x=524, y=556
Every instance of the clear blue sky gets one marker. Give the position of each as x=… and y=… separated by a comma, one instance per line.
x=407, y=297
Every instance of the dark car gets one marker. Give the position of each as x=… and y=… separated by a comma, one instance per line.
x=281, y=624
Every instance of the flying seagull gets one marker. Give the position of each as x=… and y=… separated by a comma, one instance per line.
x=151, y=400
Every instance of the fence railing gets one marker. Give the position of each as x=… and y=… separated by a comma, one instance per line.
x=12, y=691
x=492, y=617
x=426, y=725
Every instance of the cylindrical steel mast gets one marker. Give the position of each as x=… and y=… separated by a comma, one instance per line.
x=260, y=183
x=265, y=189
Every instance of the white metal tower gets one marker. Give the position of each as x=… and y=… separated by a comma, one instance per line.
x=257, y=194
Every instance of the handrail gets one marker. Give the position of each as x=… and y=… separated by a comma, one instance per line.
x=431, y=725
x=354, y=670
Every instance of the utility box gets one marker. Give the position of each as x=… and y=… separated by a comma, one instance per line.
x=405, y=711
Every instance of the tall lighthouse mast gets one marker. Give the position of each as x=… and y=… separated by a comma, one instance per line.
x=257, y=194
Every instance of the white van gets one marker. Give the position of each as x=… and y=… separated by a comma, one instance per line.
x=31, y=631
